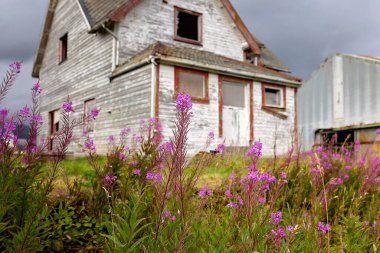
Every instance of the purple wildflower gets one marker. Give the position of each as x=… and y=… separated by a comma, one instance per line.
x=110, y=138
x=16, y=67
x=232, y=205
x=68, y=106
x=167, y=147
x=109, y=180
x=377, y=131
x=211, y=135
x=275, y=218
x=183, y=101
x=36, y=88
x=125, y=131
x=133, y=162
x=324, y=228
x=3, y=113
x=157, y=177
x=278, y=232
x=24, y=112
x=204, y=192
x=9, y=126
x=122, y=156
x=228, y=194
x=290, y=228
x=36, y=119
x=220, y=148
x=137, y=172
x=255, y=149
x=88, y=145
x=94, y=112
x=241, y=201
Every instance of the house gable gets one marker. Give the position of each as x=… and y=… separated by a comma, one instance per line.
x=153, y=21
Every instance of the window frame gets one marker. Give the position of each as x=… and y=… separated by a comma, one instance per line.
x=90, y=125
x=52, y=129
x=203, y=100
x=198, y=42
x=63, y=48
x=281, y=88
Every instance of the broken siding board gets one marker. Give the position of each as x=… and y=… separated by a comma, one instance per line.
x=153, y=21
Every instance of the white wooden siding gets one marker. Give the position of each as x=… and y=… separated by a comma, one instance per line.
x=153, y=21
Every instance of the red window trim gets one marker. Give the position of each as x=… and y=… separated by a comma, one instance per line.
x=206, y=98
x=220, y=92
x=198, y=42
x=277, y=86
x=63, y=48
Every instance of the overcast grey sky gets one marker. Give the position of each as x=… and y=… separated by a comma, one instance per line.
x=302, y=33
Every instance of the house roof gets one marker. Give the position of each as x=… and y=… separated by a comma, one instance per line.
x=96, y=12
x=196, y=58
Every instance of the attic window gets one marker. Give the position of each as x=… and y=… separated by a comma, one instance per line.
x=63, y=48
x=188, y=26
x=273, y=96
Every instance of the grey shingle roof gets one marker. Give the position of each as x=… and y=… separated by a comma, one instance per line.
x=167, y=50
x=98, y=11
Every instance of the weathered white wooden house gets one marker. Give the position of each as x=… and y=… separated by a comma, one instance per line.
x=341, y=96
x=131, y=58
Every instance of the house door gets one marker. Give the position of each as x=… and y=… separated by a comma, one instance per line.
x=236, y=113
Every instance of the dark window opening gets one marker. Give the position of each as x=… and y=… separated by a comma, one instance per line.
x=273, y=97
x=63, y=48
x=338, y=139
x=188, y=26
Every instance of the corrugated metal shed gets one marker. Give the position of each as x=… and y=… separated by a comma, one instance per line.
x=343, y=92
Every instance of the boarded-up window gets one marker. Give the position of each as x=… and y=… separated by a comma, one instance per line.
x=188, y=26
x=273, y=96
x=234, y=94
x=193, y=82
x=88, y=105
x=63, y=48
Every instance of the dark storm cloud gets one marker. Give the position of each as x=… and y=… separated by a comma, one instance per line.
x=20, y=25
x=302, y=33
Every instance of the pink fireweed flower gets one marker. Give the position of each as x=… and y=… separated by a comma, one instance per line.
x=262, y=200
x=290, y=228
x=154, y=176
x=167, y=147
x=137, y=138
x=110, y=138
x=377, y=131
x=133, y=162
x=36, y=119
x=125, y=131
x=211, y=135
x=3, y=113
x=68, y=106
x=255, y=149
x=275, y=218
x=15, y=67
x=241, y=201
x=183, y=101
x=94, y=112
x=122, y=156
x=161, y=166
x=228, y=194
x=204, y=192
x=232, y=177
x=36, y=88
x=109, y=180
x=232, y=205
x=278, y=232
x=24, y=112
x=136, y=172
x=324, y=228
x=88, y=145
x=220, y=148
x=9, y=126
